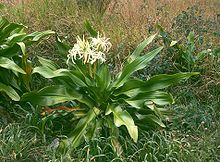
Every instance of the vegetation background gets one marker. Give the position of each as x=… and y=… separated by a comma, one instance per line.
x=192, y=132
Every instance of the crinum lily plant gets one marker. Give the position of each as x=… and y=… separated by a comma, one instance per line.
x=107, y=100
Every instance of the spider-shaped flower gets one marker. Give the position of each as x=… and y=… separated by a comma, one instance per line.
x=91, y=51
x=101, y=43
x=80, y=50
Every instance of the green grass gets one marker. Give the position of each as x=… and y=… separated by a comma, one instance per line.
x=18, y=143
x=191, y=135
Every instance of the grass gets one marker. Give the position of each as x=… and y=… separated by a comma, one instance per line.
x=18, y=143
x=193, y=131
x=125, y=22
x=192, y=134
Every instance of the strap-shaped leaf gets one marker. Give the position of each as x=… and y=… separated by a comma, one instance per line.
x=132, y=87
x=90, y=29
x=36, y=36
x=48, y=73
x=47, y=63
x=17, y=37
x=3, y=22
x=122, y=117
x=103, y=77
x=40, y=35
x=138, y=64
x=157, y=97
x=28, y=38
x=8, y=30
x=52, y=95
x=140, y=48
x=22, y=46
x=93, y=128
x=49, y=70
x=10, y=65
x=62, y=47
x=149, y=119
x=81, y=128
x=9, y=91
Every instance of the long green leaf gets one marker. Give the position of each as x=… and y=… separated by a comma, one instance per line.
x=47, y=63
x=103, y=77
x=3, y=22
x=140, y=48
x=37, y=36
x=149, y=119
x=157, y=97
x=9, y=91
x=48, y=73
x=10, y=65
x=90, y=29
x=122, y=117
x=22, y=46
x=8, y=30
x=52, y=95
x=132, y=87
x=81, y=128
x=17, y=37
x=138, y=64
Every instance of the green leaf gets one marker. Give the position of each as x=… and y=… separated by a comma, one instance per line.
x=62, y=47
x=132, y=87
x=138, y=64
x=157, y=97
x=10, y=65
x=22, y=46
x=49, y=70
x=17, y=37
x=81, y=128
x=10, y=51
x=149, y=119
x=90, y=29
x=48, y=73
x=140, y=48
x=9, y=29
x=122, y=117
x=92, y=129
x=47, y=63
x=103, y=77
x=3, y=22
x=9, y=91
x=36, y=36
x=52, y=95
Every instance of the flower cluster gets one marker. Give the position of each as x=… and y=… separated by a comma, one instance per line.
x=89, y=50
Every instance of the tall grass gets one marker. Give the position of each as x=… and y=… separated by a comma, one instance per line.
x=126, y=22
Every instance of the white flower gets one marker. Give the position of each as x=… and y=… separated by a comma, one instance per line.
x=101, y=43
x=97, y=56
x=91, y=51
x=80, y=50
x=73, y=53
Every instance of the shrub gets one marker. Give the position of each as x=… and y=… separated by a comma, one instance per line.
x=15, y=68
x=105, y=100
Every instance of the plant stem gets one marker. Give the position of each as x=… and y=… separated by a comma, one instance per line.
x=90, y=69
x=94, y=69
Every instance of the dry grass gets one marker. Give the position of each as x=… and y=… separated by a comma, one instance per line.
x=126, y=22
